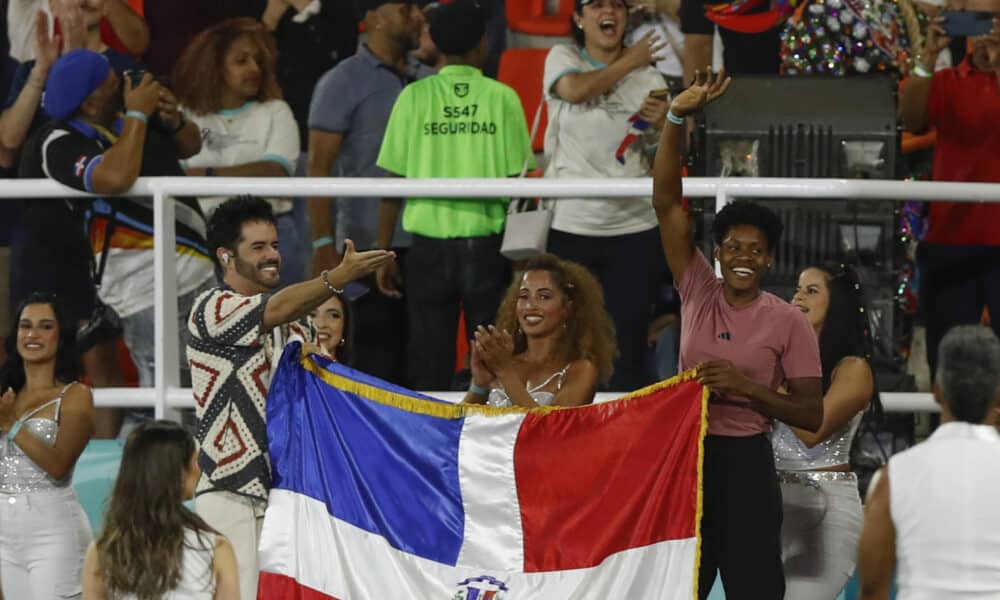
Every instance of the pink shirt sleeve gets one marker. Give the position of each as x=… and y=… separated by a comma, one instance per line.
x=698, y=281
x=801, y=356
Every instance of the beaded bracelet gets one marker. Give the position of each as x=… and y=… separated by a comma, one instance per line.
x=326, y=281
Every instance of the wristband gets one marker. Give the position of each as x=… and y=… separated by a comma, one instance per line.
x=16, y=427
x=330, y=286
x=323, y=241
x=674, y=118
x=478, y=389
x=137, y=114
x=920, y=71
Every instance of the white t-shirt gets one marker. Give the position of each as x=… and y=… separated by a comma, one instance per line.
x=256, y=131
x=581, y=141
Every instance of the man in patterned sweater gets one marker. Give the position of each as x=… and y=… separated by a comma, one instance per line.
x=237, y=333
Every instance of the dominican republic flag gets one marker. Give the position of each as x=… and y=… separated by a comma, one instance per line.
x=381, y=493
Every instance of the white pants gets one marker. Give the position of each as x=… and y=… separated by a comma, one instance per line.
x=239, y=518
x=819, y=534
x=43, y=540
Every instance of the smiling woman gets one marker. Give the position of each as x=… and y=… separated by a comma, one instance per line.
x=562, y=344
x=46, y=419
x=745, y=343
x=605, y=106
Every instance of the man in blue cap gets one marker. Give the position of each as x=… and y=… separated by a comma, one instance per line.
x=89, y=145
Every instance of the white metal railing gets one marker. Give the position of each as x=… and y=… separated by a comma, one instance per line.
x=166, y=393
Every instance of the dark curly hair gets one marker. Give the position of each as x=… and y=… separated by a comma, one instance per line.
x=67, y=368
x=199, y=73
x=744, y=212
x=590, y=333
x=225, y=226
x=846, y=330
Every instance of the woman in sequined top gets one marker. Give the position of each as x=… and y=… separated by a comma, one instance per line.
x=46, y=419
x=820, y=494
x=562, y=345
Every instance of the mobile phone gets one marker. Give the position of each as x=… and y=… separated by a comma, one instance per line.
x=661, y=94
x=135, y=76
x=967, y=23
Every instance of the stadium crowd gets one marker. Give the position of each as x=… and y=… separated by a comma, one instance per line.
x=615, y=297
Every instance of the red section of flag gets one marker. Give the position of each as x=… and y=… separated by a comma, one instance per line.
x=586, y=478
x=271, y=586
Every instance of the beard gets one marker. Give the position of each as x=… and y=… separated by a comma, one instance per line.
x=253, y=273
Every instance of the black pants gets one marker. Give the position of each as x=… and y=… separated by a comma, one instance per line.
x=380, y=325
x=629, y=268
x=741, y=519
x=443, y=275
x=956, y=282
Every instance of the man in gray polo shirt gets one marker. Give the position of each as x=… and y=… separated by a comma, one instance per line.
x=347, y=118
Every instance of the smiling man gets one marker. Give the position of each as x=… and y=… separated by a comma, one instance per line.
x=237, y=333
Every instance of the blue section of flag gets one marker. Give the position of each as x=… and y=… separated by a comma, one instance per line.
x=375, y=466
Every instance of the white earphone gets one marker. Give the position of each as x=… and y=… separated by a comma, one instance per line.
x=225, y=257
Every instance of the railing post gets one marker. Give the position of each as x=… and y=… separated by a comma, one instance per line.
x=165, y=313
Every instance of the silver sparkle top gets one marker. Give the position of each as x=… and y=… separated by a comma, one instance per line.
x=18, y=473
x=498, y=396
x=790, y=454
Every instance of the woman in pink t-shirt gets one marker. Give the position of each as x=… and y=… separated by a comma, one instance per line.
x=745, y=343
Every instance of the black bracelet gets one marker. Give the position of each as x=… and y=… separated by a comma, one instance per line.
x=180, y=125
x=209, y=171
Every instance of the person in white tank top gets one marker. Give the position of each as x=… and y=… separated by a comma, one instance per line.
x=821, y=503
x=932, y=515
x=562, y=345
x=152, y=545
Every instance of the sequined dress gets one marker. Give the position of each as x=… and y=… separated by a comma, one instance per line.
x=44, y=532
x=498, y=396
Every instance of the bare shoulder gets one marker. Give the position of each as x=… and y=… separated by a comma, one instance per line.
x=852, y=368
x=583, y=366
x=79, y=395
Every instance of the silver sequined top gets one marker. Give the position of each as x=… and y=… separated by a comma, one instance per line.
x=790, y=454
x=498, y=396
x=18, y=473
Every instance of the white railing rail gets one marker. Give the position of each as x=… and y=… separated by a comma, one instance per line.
x=166, y=393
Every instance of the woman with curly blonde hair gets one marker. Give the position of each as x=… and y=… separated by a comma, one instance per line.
x=563, y=343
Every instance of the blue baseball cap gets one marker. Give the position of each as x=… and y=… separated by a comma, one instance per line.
x=72, y=78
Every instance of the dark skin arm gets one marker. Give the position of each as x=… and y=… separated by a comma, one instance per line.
x=675, y=232
x=324, y=148
x=801, y=406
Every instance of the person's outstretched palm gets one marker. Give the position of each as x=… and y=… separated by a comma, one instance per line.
x=707, y=86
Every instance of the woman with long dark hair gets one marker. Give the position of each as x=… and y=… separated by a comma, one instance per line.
x=563, y=343
x=46, y=420
x=334, y=329
x=153, y=546
x=745, y=344
x=820, y=494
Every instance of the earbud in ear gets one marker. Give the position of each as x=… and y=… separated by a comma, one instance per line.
x=225, y=257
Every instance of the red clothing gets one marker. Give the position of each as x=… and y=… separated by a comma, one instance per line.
x=964, y=107
x=769, y=340
x=108, y=36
